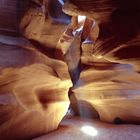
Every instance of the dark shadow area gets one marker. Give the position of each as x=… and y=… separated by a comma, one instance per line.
x=83, y=108
x=56, y=13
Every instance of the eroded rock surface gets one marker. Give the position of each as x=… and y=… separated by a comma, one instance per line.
x=33, y=86
x=109, y=79
x=44, y=53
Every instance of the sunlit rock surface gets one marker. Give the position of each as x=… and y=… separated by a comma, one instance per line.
x=46, y=56
x=109, y=79
x=33, y=86
x=33, y=93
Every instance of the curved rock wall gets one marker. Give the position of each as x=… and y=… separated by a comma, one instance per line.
x=109, y=79
x=34, y=84
x=43, y=55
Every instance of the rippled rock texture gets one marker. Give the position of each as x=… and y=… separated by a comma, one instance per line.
x=48, y=58
x=109, y=80
x=34, y=84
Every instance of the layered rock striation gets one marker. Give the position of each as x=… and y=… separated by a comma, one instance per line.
x=109, y=79
x=48, y=58
x=33, y=82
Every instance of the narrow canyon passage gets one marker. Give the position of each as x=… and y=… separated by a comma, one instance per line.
x=68, y=68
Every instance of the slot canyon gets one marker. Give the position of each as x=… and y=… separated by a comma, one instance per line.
x=70, y=69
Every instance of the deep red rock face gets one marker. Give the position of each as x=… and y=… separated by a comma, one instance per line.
x=8, y=15
x=42, y=55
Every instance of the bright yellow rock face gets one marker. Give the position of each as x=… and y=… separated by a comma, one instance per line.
x=49, y=60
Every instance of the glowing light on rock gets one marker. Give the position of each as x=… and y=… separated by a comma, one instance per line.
x=89, y=130
x=99, y=57
x=81, y=18
x=61, y=1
